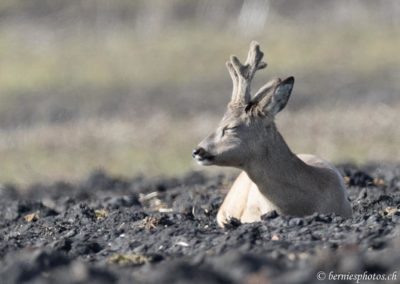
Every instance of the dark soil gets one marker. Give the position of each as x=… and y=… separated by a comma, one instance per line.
x=112, y=230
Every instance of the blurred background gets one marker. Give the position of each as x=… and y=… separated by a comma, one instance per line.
x=132, y=86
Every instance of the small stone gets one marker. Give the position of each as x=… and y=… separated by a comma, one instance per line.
x=101, y=214
x=33, y=217
x=379, y=182
x=275, y=238
x=270, y=215
x=296, y=222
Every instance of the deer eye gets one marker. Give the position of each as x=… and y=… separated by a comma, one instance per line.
x=229, y=130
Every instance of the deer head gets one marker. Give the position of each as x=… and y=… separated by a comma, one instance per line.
x=247, y=128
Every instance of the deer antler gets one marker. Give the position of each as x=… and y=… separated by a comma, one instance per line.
x=242, y=75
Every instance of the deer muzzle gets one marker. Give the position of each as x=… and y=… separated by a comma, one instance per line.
x=202, y=157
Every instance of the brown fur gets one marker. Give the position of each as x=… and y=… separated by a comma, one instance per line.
x=273, y=178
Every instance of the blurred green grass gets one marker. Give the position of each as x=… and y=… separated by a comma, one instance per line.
x=162, y=145
x=177, y=57
x=131, y=103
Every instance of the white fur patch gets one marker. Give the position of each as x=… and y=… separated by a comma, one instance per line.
x=203, y=162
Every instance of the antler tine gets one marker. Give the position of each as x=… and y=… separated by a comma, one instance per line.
x=254, y=58
x=245, y=73
x=234, y=77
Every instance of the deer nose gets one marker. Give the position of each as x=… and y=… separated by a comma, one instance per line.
x=198, y=152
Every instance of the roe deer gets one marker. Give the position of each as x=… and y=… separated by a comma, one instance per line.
x=272, y=178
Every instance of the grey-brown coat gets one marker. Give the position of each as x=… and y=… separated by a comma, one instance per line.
x=273, y=178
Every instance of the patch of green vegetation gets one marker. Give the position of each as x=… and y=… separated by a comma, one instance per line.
x=177, y=57
x=72, y=151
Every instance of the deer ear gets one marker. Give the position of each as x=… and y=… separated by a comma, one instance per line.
x=280, y=96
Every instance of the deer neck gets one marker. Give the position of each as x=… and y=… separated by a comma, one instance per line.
x=278, y=172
